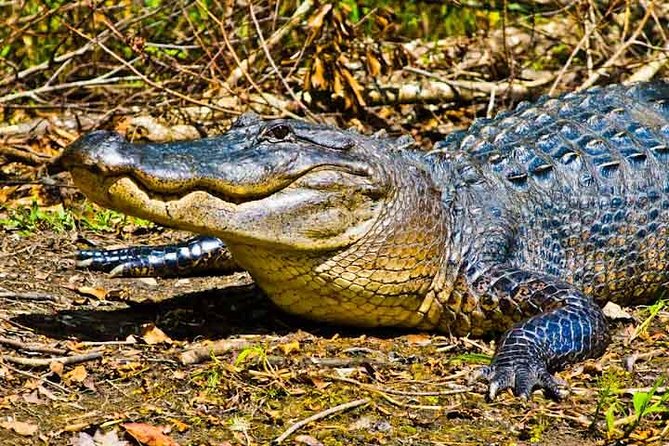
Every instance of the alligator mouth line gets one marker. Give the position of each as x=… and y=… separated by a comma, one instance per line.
x=235, y=199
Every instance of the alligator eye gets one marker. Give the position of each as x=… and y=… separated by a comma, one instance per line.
x=278, y=132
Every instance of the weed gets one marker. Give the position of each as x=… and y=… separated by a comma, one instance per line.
x=28, y=219
x=653, y=310
x=644, y=405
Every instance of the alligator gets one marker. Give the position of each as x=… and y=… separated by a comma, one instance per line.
x=523, y=225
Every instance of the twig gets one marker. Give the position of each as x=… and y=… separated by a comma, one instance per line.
x=199, y=354
x=270, y=100
x=99, y=343
x=101, y=80
x=599, y=72
x=649, y=69
x=38, y=378
x=566, y=65
x=397, y=403
x=25, y=156
x=27, y=296
x=374, y=388
x=31, y=347
x=295, y=19
x=320, y=415
x=148, y=80
x=268, y=55
x=45, y=362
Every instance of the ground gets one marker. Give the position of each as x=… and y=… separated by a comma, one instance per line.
x=273, y=370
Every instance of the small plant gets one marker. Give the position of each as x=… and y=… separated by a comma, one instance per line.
x=102, y=219
x=608, y=400
x=471, y=358
x=28, y=219
x=653, y=310
x=211, y=377
x=644, y=405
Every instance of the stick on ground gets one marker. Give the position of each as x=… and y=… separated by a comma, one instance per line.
x=318, y=416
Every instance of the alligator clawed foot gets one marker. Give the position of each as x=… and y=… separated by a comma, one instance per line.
x=522, y=377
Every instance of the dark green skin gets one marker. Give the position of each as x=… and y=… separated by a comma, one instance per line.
x=522, y=225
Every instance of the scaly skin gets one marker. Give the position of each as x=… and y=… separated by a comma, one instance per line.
x=523, y=224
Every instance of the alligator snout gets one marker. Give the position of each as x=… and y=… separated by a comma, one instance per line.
x=98, y=150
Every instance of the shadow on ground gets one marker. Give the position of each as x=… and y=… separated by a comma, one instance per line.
x=210, y=314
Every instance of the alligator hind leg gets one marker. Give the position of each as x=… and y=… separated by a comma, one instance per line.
x=564, y=327
x=195, y=257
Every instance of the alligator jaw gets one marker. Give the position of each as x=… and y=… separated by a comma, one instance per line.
x=253, y=222
x=304, y=203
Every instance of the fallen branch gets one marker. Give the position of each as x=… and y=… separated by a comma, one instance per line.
x=199, y=354
x=320, y=415
x=45, y=362
x=24, y=156
x=444, y=91
x=27, y=296
x=31, y=347
x=649, y=69
x=102, y=80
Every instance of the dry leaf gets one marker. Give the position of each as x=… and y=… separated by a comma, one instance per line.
x=319, y=383
x=77, y=374
x=20, y=427
x=179, y=425
x=373, y=65
x=57, y=367
x=98, y=293
x=419, y=339
x=99, y=439
x=148, y=435
x=354, y=85
x=33, y=398
x=153, y=335
x=317, y=79
x=288, y=348
x=316, y=21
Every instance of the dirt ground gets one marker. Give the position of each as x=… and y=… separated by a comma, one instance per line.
x=380, y=387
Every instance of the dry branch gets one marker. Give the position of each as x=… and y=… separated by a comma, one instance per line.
x=19, y=345
x=45, y=362
x=23, y=156
x=265, y=47
x=601, y=71
x=299, y=14
x=444, y=91
x=648, y=70
x=318, y=416
x=199, y=354
x=28, y=296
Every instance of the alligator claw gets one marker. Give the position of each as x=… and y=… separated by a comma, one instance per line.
x=522, y=377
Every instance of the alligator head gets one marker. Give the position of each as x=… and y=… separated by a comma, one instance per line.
x=323, y=219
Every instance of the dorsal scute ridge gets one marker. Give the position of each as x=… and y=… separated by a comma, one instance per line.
x=602, y=135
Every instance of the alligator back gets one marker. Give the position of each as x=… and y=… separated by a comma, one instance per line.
x=584, y=179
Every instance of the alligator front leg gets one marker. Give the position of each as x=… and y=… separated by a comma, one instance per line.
x=564, y=327
x=195, y=257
